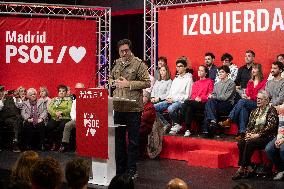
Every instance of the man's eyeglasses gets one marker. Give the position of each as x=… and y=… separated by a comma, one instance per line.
x=180, y=66
x=124, y=50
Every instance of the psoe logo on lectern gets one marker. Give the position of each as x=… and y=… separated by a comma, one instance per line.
x=91, y=124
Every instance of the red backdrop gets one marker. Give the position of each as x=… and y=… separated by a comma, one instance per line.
x=38, y=52
x=178, y=35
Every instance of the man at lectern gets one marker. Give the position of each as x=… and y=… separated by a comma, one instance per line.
x=130, y=76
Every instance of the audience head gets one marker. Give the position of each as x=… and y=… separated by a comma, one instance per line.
x=164, y=73
x=277, y=68
x=209, y=59
x=124, y=49
x=46, y=174
x=1, y=91
x=146, y=96
x=77, y=173
x=227, y=59
x=20, y=92
x=121, y=182
x=257, y=72
x=280, y=58
x=177, y=183
x=181, y=65
x=223, y=72
x=203, y=72
x=162, y=60
x=249, y=57
x=43, y=92
x=62, y=90
x=262, y=99
x=32, y=94
x=22, y=168
x=242, y=186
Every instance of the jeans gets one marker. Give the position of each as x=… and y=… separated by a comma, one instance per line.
x=276, y=155
x=172, y=109
x=240, y=113
x=67, y=130
x=213, y=107
x=126, y=154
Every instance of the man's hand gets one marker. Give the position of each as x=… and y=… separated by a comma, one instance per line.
x=251, y=136
x=122, y=83
x=279, y=142
x=154, y=100
x=30, y=120
x=39, y=120
x=198, y=99
x=209, y=96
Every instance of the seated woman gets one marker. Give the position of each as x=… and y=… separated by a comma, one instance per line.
x=34, y=113
x=261, y=128
x=147, y=120
x=242, y=109
x=59, y=110
x=43, y=93
x=275, y=148
x=220, y=101
x=196, y=103
x=162, y=86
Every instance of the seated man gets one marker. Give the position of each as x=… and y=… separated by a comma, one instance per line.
x=220, y=101
x=261, y=128
x=77, y=173
x=179, y=92
x=10, y=116
x=275, y=148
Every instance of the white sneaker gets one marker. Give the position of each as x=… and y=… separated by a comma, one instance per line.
x=187, y=133
x=172, y=132
x=176, y=127
x=279, y=176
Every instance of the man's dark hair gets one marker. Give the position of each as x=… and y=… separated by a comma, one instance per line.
x=279, y=64
x=282, y=55
x=122, y=182
x=227, y=56
x=62, y=87
x=181, y=61
x=210, y=54
x=46, y=173
x=225, y=68
x=77, y=173
x=163, y=58
x=251, y=52
x=124, y=42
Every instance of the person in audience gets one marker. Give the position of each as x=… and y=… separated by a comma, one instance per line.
x=152, y=79
x=199, y=96
x=220, y=101
x=241, y=111
x=20, y=94
x=162, y=86
x=22, y=169
x=77, y=173
x=162, y=61
x=275, y=87
x=180, y=89
x=177, y=183
x=43, y=93
x=123, y=181
x=261, y=128
x=275, y=148
x=59, y=110
x=70, y=124
x=244, y=72
x=46, y=173
x=34, y=114
x=209, y=62
x=10, y=116
x=279, y=58
x=147, y=120
x=227, y=60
